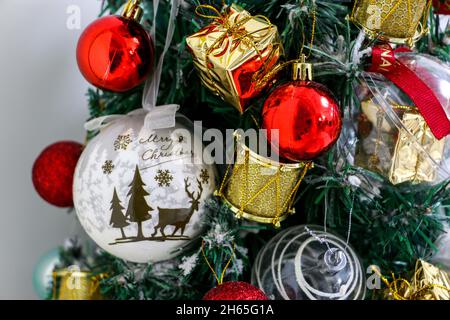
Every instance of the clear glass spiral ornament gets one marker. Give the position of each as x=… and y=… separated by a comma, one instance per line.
x=307, y=263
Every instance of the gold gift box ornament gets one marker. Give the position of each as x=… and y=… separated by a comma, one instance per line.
x=260, y=189
x=398, y=154
x=234, y=52
x=396, y=21
x=76, y=285
x=428, y=283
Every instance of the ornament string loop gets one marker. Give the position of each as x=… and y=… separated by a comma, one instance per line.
x=162, y=116
x=313, y=34
x=222, y=275
x=301, y=59
x=217, y=14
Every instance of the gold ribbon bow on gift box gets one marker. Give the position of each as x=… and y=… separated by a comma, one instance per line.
x=234, y=25
x=428, y=283
x=234, y=52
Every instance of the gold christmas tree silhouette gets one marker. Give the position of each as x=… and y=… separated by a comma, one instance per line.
x=118, y=219
x=138, y=208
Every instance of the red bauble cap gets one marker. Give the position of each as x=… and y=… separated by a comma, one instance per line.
x=115, y=53
x=307, y=117
x=235, y=290
x=53, y=172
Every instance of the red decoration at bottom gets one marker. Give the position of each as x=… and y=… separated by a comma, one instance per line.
x=235, y=290
x=53, y=172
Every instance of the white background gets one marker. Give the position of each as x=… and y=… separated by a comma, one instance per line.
x=42, y=100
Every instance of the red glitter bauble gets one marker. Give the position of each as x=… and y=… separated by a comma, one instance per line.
x=53, y=172
x=307, y=117
x=115, y=53
x=235, y=290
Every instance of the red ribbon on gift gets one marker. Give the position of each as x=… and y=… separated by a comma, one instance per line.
x=384, y=62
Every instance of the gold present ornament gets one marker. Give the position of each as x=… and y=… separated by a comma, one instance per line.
x=260, y=189
x=394, y=152
x=76, y=285
x=428, y=283
x=408, y=163
x=234, y=52
x=397, y=21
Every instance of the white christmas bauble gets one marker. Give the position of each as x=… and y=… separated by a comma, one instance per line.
x=140, y=193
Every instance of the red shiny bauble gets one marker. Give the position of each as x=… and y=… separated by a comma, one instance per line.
x=307, y=117
x=235, y=290
x=441, y=6
x=115, y=53
x=53, y=172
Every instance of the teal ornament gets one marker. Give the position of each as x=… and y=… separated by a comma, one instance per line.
x=42, y=273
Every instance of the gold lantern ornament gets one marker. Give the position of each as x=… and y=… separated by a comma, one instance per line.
x=396, y=21
x=260, y=189
x=76, y=285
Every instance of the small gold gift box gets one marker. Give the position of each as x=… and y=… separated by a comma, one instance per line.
x=234, y=53
x=76, y=285
x=410, y=153
x=261, y=189
x=428, y=283
x=397, y=21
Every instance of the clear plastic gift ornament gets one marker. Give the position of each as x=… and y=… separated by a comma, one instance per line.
x=308, y=263
x=389, y=136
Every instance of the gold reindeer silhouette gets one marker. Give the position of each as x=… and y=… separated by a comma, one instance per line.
x=179, y=217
